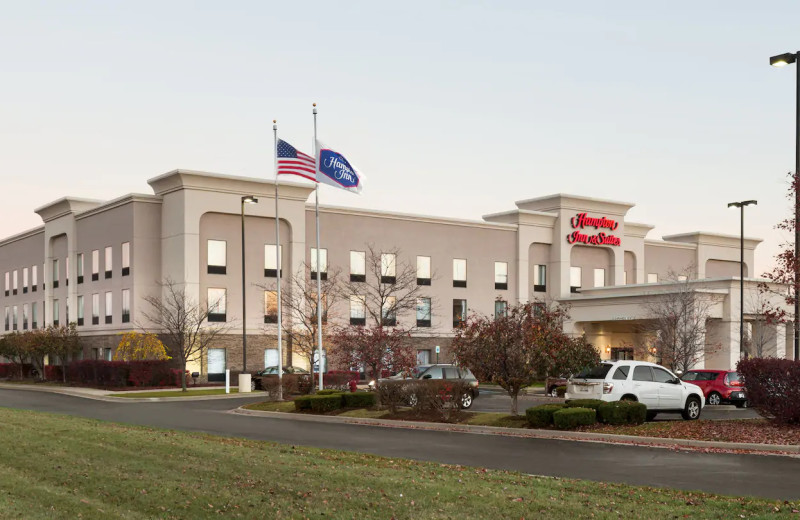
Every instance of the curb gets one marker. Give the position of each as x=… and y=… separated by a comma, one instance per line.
x=107, y=398
x=527, y=433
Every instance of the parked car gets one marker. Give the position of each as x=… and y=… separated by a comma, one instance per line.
x=551, y=385
x=719, y=386
x=648, y=383
x=440, y=371
x=256, y=379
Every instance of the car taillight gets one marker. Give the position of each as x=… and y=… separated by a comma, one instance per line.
x=735, y=383
x=608, y=387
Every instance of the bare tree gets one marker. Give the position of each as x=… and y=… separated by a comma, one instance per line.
x=299, y=308
x=182, y=323
x=761, y=334
x=677, y=322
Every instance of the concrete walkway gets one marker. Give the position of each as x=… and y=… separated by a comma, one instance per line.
x=105, y=395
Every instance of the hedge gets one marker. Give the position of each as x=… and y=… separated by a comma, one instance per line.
x=594, y=404
x=622, y=412
x=561, y=391
x=359, y=399
x=773, y=387
x=302, y=403
x=570, y=418
x=9, y=370
x=328, y=391
x=325, y=403
x=542, y=416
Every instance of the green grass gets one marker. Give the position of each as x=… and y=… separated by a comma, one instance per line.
x=55, y=466
x=364, y=413
x=174, y=393
x=272, y=406
x=497, y=419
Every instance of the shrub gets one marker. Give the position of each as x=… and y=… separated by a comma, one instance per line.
x=359, y=399
x=328, y=391
x=542, y=416
x=561, y=391
x=338, y=380
x=594, y=404
x=14, y=370
x=442, y=396
x=622, y=412
x=292, y=384
x=302, y=403
x=325, y=403
x=773, y=387
x=570, y=418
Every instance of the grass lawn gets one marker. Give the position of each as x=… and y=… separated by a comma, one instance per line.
x=55, y=466
x=174, y=393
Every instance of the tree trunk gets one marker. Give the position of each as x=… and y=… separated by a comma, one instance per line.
x=514, y=404
x=64, y=371
x=183, y=376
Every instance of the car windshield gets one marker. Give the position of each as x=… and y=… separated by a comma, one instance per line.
x=598, y=372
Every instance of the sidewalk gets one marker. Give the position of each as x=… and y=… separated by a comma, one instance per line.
x=662, y=442
x=104, y=395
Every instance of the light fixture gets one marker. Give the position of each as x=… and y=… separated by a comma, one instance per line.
x=249, y=199
x=782, y=60
x=608, y=349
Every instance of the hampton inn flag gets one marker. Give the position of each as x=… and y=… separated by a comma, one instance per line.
x=335, y=170
x=293, y=162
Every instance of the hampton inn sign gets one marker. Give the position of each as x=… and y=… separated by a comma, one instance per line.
x=581, y=221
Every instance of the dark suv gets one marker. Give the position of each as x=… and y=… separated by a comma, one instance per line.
x=442, y=371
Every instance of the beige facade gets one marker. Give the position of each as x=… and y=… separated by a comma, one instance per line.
x=566, y=248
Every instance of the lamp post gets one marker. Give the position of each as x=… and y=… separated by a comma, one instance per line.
x=247, y=199
x=780, y=61
x=741, y=205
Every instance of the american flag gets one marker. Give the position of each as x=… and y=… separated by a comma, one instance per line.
x=293, y=162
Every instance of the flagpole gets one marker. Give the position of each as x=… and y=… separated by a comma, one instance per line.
x=278, y=257
x=319, y=277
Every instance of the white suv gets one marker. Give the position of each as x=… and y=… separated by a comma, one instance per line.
x=648, y=383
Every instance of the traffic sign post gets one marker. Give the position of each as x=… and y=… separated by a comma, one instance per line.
x=437, y=354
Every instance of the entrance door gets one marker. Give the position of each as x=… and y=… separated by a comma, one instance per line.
x=271, y=358
x=216, y=364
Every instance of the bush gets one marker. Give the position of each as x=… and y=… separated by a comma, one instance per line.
x=594, y=404
x=359, y=399
x=325, y=403
x=339, y=380
x=440, y=395
x=302, y=403
x=13, y=370
x=292, y=384
x=328, y=391
x=773, y=387
x=622, y=412
x=570, y=418
x=561, y=391
x=542, y=416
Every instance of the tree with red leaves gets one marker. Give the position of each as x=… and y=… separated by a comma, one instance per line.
x=377, y=348
x=515, y=349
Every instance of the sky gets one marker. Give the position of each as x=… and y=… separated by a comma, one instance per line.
x=451, y=108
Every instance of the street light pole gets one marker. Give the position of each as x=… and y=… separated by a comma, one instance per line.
x=741, y=205
x=247, y=199
x=780, y=61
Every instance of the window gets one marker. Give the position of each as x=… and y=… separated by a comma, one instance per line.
x=323, y=264
x=109, y=307
x=8, y=317
x=126, y=258
x=126, y=305
x=109, y=261
x=25, y=316
x=599, y=277
x=423, y=357
x=34, y=277
x=459, y=312
x=24, y=280
x=7, y=286
x=575, y=274
x=662, y=376
x=95, y=265
x=323, y=303
x=66, y=274
x=501, y=275
x=217, y=257
x=80, y=267
x=450, y=372
x=459, y=272
x=34, y=315
x=56, y=312
x=624, y=277
x=107, y=354
x=423, y=270
x=642, y=373
x=682, y=278
x=389, y=311
x=500, y=308
x=66, y=309
x=388, y=268
x=652, y=278
x=621, y=374
x=217, y=304
x=80, y=309
x=539, y=278
x=270, y=306
x=358, y=310
x=56, y=270
x=15, y=279
x=95, y=309
x=423, y=312
x=271, y=252
x=358, y=266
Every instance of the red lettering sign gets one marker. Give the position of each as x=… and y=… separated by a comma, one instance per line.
x=581, y=221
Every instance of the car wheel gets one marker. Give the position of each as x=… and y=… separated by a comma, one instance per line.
x=691, y=411
x=253, y=385
x=466, y=400
x=553, y=391
x=628, y=398
x=650, y=416
x=714, y=399
x=413, y=400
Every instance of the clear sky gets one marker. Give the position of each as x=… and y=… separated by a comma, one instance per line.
x=451, y=108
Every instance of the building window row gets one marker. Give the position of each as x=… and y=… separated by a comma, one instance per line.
x=11, y=286
x=30, y=312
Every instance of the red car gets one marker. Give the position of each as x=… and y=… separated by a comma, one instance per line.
x=719, y=386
